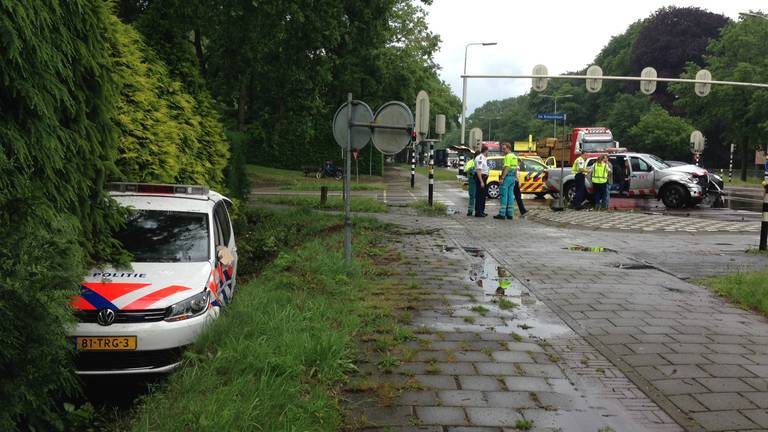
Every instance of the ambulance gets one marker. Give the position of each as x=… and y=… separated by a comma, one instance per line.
x=183, y=272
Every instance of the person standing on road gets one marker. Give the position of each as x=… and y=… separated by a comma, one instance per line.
x=508, y=180
x=469, y=171
x=481, y=173
x=599, y=175
x=579, y=170
x=519, y=197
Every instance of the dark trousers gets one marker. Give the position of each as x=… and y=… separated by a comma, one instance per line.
x=480, y=195
x=581, y=191
x=601, y=195
x=519, y=199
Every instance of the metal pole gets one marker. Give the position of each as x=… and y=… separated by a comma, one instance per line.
x=431, y=172
x=621, y=78
x=413, y=164
x=730, y=166
x=347, y=198
x=370, y=163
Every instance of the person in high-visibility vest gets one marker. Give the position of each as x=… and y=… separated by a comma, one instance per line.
x=599, y=173
x=508, y=179
x=469, y=171
x=579, y=170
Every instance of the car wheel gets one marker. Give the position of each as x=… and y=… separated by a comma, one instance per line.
x=339, y=174
x=674, y=196
x=492, y=190
x=569, y=193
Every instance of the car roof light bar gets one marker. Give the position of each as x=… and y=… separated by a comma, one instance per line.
x=157, y=188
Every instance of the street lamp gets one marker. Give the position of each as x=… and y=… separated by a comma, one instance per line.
x=562, y=147
x=464, y=87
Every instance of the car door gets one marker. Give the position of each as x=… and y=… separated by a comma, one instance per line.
x=226, y=252
x=640, y=177
x=531, y=176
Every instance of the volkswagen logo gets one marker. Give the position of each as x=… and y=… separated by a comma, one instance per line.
x=105, y=317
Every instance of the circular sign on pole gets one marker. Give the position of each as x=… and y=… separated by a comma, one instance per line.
x=392, y=141
x=702, y=89
x=594, y=84
x=475, y=138
x=361, y=113
x=647, y=86
x=422, y=115
x=540, y=84
x=440, y=124
x=697, y=142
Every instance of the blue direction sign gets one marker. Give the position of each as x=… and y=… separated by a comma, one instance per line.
x=550, y=116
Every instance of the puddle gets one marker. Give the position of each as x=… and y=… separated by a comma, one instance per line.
x=636, y=267
x=511, y=301
x=580, y=248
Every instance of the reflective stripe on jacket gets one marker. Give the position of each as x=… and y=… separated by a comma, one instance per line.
x=576, y=168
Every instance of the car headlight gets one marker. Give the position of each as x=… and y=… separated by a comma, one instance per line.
x=191, y=307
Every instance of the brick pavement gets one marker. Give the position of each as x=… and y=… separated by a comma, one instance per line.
x=702, y=360
x=480, y=366
x=641, y=221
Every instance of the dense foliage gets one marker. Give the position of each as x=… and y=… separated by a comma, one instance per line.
x=668, y=40
x=59, y=143
x=279, y=70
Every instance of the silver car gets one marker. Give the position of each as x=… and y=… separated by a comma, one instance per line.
x=638, y=175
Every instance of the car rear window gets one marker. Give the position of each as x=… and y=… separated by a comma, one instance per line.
x=165, y=236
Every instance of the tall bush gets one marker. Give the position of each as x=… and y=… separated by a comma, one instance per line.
x=58, y=140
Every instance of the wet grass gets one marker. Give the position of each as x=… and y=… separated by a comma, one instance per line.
x=296, y=181
x=747, y=289
x=358, y=204
x=278, y=358
x=423, y=207
x=441, y=174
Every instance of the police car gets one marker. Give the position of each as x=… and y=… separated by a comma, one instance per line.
x=139, y=320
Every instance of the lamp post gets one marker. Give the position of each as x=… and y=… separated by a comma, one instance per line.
x=464, y=87
x=764, y=224
x=562, y=151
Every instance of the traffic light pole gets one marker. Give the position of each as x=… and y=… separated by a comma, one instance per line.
x=413, y=165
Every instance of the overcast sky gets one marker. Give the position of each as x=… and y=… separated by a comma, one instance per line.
x=562, y=35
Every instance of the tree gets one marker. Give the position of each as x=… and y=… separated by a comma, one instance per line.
x=661, y=134
x=670, y=39
x=732, y=114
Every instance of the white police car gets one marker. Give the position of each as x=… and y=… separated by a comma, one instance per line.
x=139, y=320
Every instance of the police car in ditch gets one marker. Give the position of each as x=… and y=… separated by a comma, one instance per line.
x=139, y=320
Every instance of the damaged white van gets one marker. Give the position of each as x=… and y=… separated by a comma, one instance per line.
x=139, y=320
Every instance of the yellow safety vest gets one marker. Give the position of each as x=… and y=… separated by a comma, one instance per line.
x=575, y=169
x=469, y=167
x=511, y=161
x=599, y=173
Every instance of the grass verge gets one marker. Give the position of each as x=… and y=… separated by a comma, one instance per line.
x=422, y=206
x=359, y=204
x=297, y=181
x=277, y=359
x=441, y=174
x=747, y=289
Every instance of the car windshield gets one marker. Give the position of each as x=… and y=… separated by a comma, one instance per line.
x=165, y=236
x=657, y=162
x=596, y=146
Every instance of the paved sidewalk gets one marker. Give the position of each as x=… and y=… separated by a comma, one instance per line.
x=487, y=363
x=702, y=360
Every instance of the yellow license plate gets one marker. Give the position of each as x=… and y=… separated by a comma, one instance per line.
x=106, y=343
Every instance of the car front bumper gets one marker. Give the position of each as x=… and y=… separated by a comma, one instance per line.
x=159, y=345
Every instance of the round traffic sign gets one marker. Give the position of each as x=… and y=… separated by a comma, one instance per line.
x=540, y=84
x=594, y=83
x=392, y=141
x=361, y=113
x=648, y=86
x=702, y=89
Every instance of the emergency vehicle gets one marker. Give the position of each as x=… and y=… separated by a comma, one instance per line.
x=183, y=272
x=531, y=173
